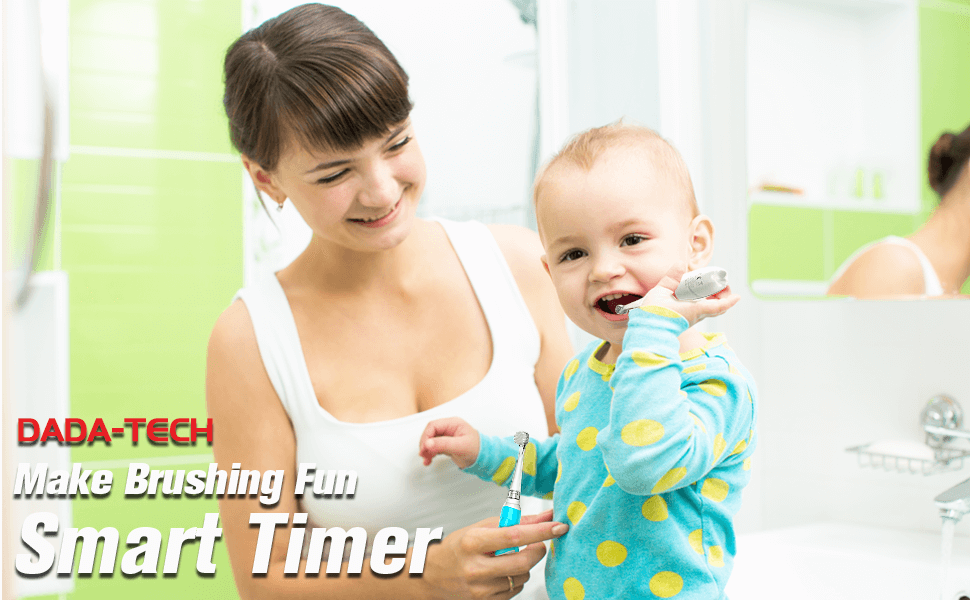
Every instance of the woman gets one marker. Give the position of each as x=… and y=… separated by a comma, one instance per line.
x=382, y=324
x=934, y=261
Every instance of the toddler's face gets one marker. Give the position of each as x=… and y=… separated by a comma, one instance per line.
x=610, y=235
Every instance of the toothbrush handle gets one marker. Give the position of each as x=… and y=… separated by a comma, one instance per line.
x=510, y=516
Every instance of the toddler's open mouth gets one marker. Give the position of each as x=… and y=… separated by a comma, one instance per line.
x=609, y=302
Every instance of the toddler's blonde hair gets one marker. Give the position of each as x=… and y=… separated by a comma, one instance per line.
x=583, y=149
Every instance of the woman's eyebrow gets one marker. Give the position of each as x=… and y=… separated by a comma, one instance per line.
x=343, y=161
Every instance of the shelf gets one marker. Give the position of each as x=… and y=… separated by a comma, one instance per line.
x=833, y=91
x=826, y=202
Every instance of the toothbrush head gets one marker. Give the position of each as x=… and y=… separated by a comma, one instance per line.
x=521, y=438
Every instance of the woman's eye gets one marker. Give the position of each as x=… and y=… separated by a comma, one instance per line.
x=633, y=240
x=401, y=144
x=332, y=178
x=572, y=255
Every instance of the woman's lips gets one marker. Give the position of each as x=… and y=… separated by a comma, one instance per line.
x=379, y=222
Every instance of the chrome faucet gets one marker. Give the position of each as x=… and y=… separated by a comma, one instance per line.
x=954, y=503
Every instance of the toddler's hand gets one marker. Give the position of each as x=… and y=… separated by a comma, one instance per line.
x=693, y=310
x=453, y=437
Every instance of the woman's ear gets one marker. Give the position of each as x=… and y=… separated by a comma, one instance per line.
x=263, y=180
x=701, y=232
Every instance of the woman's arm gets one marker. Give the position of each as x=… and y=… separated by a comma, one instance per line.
x=252, y=428
x=522, y=252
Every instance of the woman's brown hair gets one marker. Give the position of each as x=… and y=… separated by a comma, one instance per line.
x=314, y=76
x=948, y=157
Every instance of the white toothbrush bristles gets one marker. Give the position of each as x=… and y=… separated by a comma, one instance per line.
x=521, y=438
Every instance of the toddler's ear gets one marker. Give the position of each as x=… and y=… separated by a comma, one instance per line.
x=701, y=231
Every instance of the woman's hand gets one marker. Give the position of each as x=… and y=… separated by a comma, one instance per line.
x=464, y=564
x=453, y=437
x=694, y=311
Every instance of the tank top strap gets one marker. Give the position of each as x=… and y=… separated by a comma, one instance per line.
x=279, y=342
x=515, y=338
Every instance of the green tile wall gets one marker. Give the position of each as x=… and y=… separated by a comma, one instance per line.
x=805, y=244
x=151, y=239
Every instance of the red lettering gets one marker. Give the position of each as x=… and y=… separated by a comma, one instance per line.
x=68, y=427
x=173, y=432
x=207, y=430
x=98, y=430
x=51, y=430
x=158, y=430
x=135, y=423
x=22, y=435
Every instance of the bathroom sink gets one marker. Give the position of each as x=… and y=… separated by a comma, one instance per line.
x=834, y=561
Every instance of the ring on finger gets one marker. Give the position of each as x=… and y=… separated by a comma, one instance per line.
x=511, y=583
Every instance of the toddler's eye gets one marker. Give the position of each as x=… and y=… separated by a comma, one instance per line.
x=571, y=255
x=633, y=239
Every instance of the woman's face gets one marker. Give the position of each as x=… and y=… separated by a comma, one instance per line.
x=363, y=199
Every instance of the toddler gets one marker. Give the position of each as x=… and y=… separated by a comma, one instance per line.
x=656, y=420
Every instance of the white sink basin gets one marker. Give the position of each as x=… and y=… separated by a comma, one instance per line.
x=838, y=561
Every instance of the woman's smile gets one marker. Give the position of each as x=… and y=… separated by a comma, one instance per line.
x=382, y=220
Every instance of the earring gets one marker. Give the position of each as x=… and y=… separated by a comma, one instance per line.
x=279, y=207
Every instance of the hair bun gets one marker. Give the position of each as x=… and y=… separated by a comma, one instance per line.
x=947, y=156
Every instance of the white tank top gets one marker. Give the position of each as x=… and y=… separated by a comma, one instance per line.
x=931, y=281
x=394, y=488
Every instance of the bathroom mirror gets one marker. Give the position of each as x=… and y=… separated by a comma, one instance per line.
x=844, y=100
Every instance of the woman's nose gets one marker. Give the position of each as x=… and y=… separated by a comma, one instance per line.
x=606, y=267
x=380, y=187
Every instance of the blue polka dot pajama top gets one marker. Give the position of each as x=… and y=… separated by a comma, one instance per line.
x=648, y=468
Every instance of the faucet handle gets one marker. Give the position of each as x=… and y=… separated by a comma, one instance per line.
x=944, y=412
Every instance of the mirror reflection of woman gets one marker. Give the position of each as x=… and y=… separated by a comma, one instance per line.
x=383, y=323
x=935, y=260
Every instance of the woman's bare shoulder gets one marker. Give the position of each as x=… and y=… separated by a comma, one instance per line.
x=522, y=251
x=883, y=271
x=233, y=361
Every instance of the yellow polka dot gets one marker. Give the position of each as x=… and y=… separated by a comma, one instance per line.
x=573, y=589
x=715, y=489
x=683, y=393
x=504, y=470
x=714, y=387
x=608, y=481
x=586, y=440
x=642, y=432
x=669, y=480
x=715, y=556
x=742, y=445
x=611, y=553
x=559, y=473
x=734, y=370
x=552, y=547
x=719, y=445
x=698, y=421
x=746, y=465
x=649, y=360
x=654, y=509
x=571, y=368
x=695, y=369
x=548, y=496
x=663, y=312
x=695, y=539
x=666, y=584
x=571, y=402
x=576, y=511
x=529, y=460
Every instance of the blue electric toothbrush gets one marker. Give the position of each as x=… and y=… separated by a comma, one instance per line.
x=512, y=509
